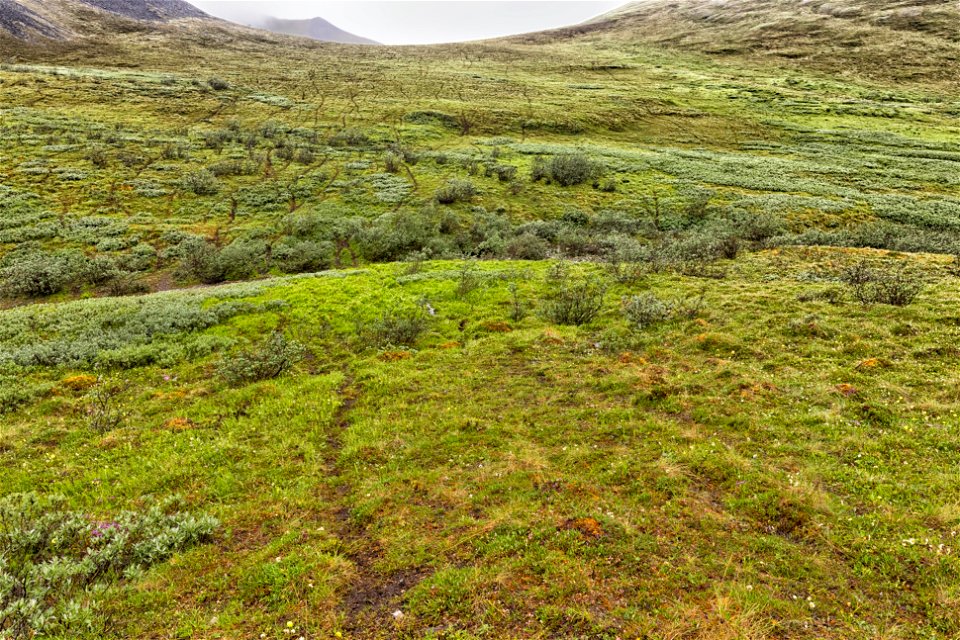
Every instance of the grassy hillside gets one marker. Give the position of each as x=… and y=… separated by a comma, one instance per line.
x=902, y=40
x=765, y=464
x=599, y=333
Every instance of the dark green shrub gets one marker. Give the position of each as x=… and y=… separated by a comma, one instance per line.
x=201, y=183
x=395, y=327
x=40, y=273
x=518, y=308
x=233, y=167
x=392, y=162
x=571, y=169
x=300, y=256
x=218, y=84
x=539, y=170
x=199, y=260
x=395, y=235
x=456, y=191
x=218, y=139
x=99, y=270
x=527, y=246
x=572, y=299
x=103, y=410
x=98, y=157
x=503, y=172
x=885, y=284
x=469, y=279
x=264, y=362
x=645, y=310
x=304, y=156
x=349, y=138
x=242, y=259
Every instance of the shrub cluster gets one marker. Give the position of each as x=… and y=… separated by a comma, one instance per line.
x=566, y=169
x=398, y=327
x=55, y=560
x=35, y=273
x=263, y=362
x=883, y=284
x=572, y=299
x=647, y=309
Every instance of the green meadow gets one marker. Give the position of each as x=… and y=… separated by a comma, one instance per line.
x=572, y=337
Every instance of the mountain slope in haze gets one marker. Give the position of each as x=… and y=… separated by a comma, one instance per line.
x=901, y=39
x=150, y=10
x=313, y=28
x=30, y=20
x=22, y=22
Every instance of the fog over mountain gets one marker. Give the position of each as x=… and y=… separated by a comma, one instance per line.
x=410, y=22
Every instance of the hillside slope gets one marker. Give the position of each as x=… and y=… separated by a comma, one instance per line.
x=32, y=22
x=904, y=39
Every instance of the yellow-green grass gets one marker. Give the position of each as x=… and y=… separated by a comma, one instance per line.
x=772, y=468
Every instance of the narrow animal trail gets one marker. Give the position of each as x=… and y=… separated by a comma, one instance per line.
x=371, y=598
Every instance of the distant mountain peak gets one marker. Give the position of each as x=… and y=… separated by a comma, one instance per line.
x=314, y=28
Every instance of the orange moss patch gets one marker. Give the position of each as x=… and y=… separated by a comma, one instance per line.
x=496, y=326
x=872, y=363
x=550, y=336
x=80, y=382
x=628, y=357
x=453, y=344
x=847, y=389
x=588, y=527
x=393, y=356
x=179, y=424
x=748, y=390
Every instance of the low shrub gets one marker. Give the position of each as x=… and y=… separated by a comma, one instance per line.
x=395, y=327
x=218, y=84
x=201, y=183
x=571, y=169
x=572, y=299
x=103, y=411
x=199, y=260
x=56, y=561
x=884, y=284
x=456, y=191
x=263, y=362
x=301, y=256
x=527, y=246
x=40, y=273
x=646, y=310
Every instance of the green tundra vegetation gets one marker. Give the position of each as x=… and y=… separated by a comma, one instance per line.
x=646, y=328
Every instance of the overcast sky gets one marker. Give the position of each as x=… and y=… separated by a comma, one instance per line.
x=421, y=21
